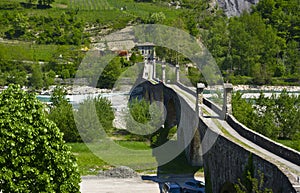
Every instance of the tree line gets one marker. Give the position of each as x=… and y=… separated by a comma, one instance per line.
x=277, y=117
x=259, y=47
x=64, y=29
x=262, y=45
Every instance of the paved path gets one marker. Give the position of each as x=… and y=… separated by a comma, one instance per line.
x=116, y=185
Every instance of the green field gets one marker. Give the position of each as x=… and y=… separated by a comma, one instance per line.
x=89, y=163
x=32, y=52
x=89, y=4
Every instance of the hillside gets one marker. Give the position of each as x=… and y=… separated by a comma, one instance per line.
x=42, y=41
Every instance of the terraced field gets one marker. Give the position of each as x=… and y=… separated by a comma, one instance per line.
x=89, y=4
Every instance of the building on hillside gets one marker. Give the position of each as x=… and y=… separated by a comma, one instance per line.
x=147, y=50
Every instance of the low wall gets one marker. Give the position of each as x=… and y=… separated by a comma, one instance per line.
x=276, y=148
x=186, y=89
x=212, y=106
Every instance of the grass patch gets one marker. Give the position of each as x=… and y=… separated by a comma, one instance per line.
x=136, y=145
x=179, y=165
x=295, y=144
x=88, y=163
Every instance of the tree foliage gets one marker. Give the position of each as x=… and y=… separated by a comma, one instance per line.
x=36, y=79
x=276, y=117
x=63, y=29
x=91, y=109
x=145, y=121
x=261, y=45
x=34, y=157
x=61, y=113
x=110, y=74
x=256, y=185
x=250, y=184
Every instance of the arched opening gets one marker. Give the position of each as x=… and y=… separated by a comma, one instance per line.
x=171, y=119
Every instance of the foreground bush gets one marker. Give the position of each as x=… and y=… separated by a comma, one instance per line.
x=33, y=156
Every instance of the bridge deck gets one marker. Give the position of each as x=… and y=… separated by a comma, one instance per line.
x=212, y=119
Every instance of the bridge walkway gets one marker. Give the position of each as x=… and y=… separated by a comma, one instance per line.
x=212, y=119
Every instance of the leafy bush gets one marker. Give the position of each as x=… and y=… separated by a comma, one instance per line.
x=34, y=157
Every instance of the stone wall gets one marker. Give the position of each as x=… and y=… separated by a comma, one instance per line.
x=225, y=163
x=276, y=148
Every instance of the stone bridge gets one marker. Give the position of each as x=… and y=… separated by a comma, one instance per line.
x=214, y=139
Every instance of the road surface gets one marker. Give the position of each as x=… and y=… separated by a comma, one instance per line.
x=117, y=185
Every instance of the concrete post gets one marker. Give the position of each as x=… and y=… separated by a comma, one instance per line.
x=163, y=66
x=199, y=102
x=177, y=73
x=227, y=101
x=154, y=68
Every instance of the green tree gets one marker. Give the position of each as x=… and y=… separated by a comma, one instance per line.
x=62, y=114
x=49, y=78
x=292, y=58
x=250, y=184
x=276, y=117
x=133, y=58
x=287, y=115
x=144, y=119
x=34, y=157
x=58, y=96
x=92, y=109
x=36, y=80
x=17, y=77
x=65, y=74
x=110, y=74
x=243, y=111
x=256, y=185
x=105, y=113
x=19, y=26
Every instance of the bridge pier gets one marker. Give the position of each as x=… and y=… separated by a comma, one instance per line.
x=227, y=100
x=199, y=102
